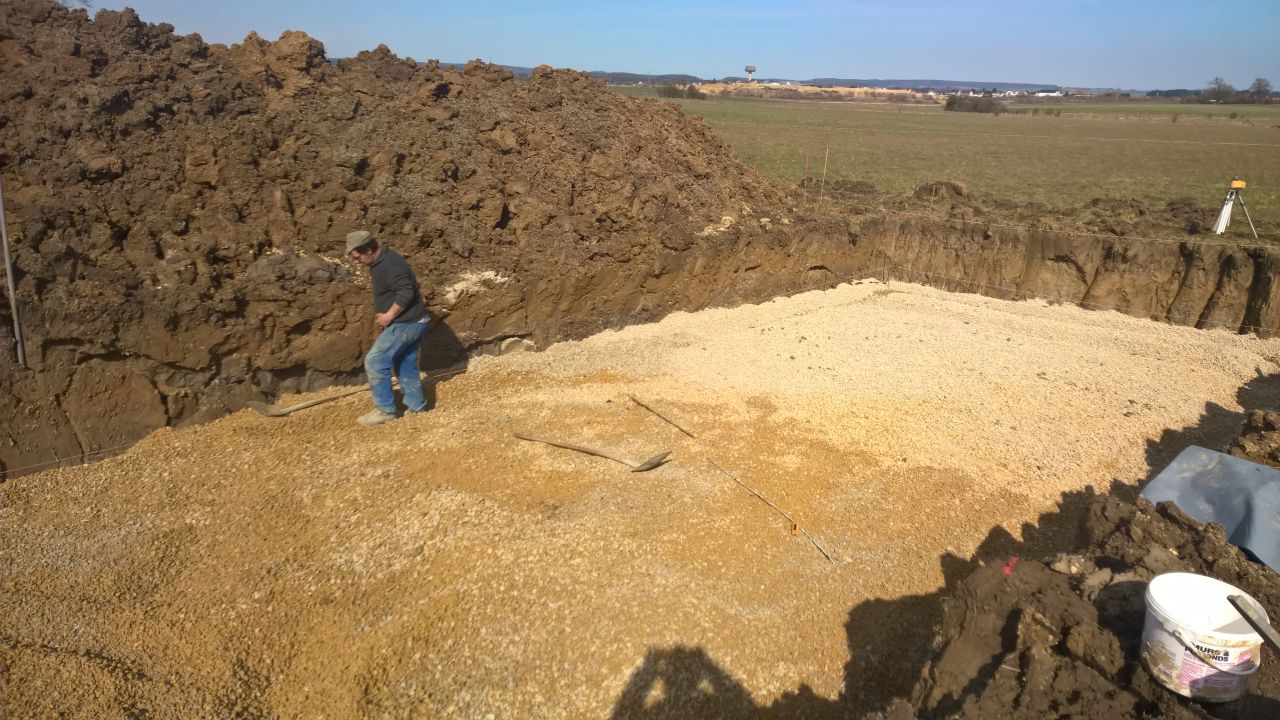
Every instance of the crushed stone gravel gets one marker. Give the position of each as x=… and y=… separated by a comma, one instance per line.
x=437, y=566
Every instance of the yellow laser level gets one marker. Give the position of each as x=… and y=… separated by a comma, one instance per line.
x=1235, y=191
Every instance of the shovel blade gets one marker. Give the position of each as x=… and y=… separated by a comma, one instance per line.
x=652, y=462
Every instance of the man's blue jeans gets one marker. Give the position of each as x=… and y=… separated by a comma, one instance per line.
x=396, y=351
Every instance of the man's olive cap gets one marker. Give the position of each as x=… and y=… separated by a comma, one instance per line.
x=356, y=239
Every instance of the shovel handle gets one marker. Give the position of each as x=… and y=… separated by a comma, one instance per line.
x=281, y=412
x=579, y=448
x=325, y=399
x=1252, y=617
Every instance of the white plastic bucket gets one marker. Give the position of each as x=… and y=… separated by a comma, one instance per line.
x=1194, y=642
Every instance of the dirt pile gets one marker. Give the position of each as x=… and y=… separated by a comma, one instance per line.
x=1062, y=638
x=1260, y=440
x=176, y=207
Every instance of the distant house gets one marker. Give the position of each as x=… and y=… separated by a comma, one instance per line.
x=1051, y=93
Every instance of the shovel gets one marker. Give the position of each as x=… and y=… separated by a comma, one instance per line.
x=649, y=464
x=271, y=411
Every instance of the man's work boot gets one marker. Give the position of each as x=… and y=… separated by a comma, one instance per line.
x=375, y=417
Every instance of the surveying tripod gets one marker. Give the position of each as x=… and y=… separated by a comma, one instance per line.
x=1234, y=193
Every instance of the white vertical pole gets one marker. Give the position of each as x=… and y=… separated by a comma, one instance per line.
x=1224, y=215
x=823, y=191
x=13, y=290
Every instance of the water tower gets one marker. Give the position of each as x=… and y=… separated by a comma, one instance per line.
x=750, y=69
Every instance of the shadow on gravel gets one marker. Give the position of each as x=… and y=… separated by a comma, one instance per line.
x=441, y=348
x=440, y=357
x=683, y=682
x=1218, y=426
x=874, y=677
x=891, y=642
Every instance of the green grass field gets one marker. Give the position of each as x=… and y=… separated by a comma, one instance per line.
x=1091, y=150
x=1165, y=110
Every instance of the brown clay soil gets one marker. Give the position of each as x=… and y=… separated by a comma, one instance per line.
x=436, y=566
x=1061, y=638
x=176, y=210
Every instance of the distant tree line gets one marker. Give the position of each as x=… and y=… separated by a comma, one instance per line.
x=1221, y=91
x=681, y=92
x=988, y=104
x=984, y=104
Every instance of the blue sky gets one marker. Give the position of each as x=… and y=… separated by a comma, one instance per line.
x=1133, y=44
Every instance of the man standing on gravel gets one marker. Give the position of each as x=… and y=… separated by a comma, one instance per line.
x=398, y=309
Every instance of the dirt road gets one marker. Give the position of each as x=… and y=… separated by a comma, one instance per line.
x=436, y=566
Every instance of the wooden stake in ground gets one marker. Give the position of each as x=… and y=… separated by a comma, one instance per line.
x=663, y=417
x=13, y=289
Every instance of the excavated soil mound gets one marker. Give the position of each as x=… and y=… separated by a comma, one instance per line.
x=1023, y=638
x=1260, y=441
x=176, y=210
x=1063, y=638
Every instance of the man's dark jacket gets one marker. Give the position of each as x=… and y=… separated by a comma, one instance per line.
x=394, y=284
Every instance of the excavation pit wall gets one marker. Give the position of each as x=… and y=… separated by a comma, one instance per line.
x=94, y=388
x=175, y=249
x=1197, y=282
